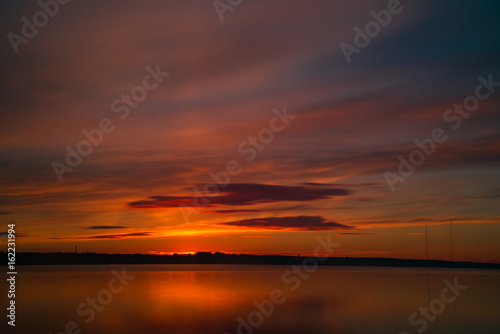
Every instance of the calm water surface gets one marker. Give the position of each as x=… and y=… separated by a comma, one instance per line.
x=210, y=298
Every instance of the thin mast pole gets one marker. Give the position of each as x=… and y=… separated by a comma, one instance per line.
x=453, y=273
x=427, y=256
x=451, y=238
x=426, y=244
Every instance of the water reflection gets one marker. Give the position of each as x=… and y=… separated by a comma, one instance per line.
x=210, y=298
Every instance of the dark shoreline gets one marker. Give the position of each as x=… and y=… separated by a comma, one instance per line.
x=25, y=258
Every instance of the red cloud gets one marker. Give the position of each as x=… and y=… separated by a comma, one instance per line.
x=305, y=223
x=245, y=194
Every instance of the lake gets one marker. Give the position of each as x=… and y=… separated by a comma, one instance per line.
x=255, y=299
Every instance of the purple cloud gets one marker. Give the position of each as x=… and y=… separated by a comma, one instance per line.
x=305, y=223
x=246, y=194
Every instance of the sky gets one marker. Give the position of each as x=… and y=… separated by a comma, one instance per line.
x=184, y=126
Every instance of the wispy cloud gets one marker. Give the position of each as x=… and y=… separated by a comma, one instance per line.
x=107, y=236
x=103, y=227
x=229, y=212
x=304, y=223
x=246, y=194
x=18, y=235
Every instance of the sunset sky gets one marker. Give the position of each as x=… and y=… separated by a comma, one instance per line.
x=318, y=172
